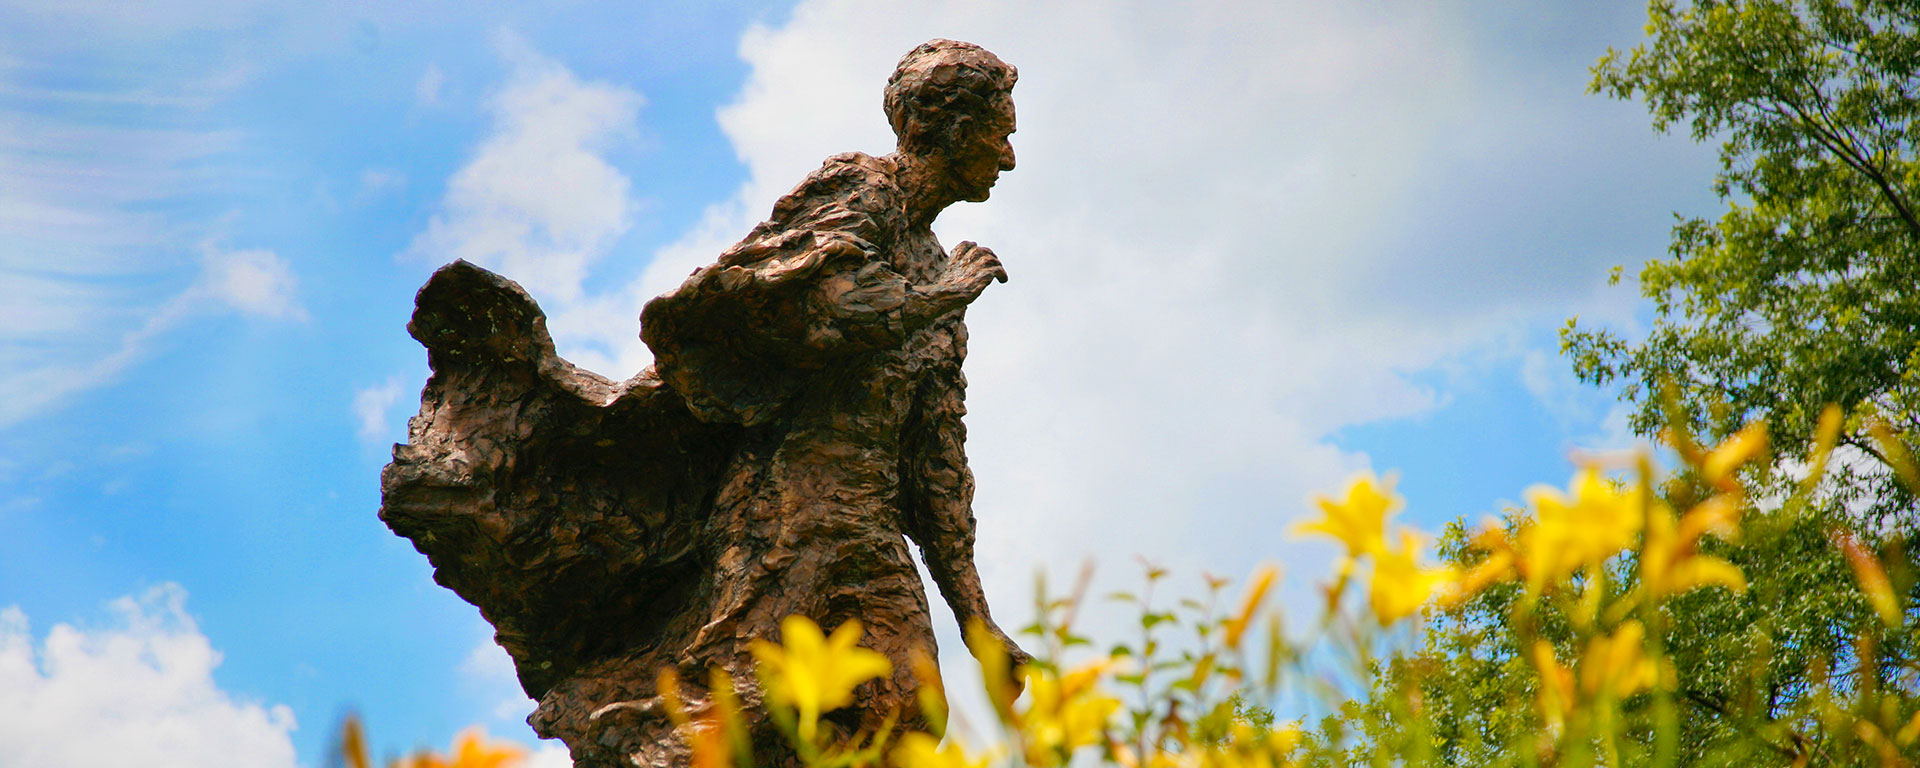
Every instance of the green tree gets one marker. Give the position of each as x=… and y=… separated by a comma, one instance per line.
x=1806, y=289
x=1803, y=291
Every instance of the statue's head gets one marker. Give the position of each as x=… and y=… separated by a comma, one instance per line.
x=952, y=102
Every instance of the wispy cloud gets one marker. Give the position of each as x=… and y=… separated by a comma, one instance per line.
x=109, y=234
x=138, y=691
x=48, y=356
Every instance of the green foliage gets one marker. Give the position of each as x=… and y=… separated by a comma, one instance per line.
x=1806, y=289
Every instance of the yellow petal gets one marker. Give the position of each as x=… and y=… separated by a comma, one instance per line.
x=472, y=750
x=1701, y=570
x=1718, y=466
x=1236, y=626
x=1359, y=521
x=1872, y=577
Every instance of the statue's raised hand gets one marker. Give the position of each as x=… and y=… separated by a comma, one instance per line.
x=971, y=268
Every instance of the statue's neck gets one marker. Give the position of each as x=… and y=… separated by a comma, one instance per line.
x=924, y=180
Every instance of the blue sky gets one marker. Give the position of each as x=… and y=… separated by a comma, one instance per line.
x=1254, y=249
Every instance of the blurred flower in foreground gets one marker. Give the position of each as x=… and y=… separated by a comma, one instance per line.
x=1718, y=466
x=1670, y=562
x=1555, y=697
x=1252, y=747
x=814, y=673
x=1065, y=712
x=920, y=750
x=1359, y=521
x=471, y=749
x=1586, y=526
x=1400, y=584
x=1872, y=578
x=1615, y=664
x=1236, y=625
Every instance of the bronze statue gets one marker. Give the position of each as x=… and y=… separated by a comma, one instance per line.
x=803, y=413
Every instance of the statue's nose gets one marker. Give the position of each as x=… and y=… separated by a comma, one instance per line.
x=1006, y=157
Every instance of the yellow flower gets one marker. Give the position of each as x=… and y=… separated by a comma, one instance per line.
x=1360, y=520
x=470, y=750
x=1719, y=464
x=1065, y=713
x=1556, y=685
x=704, y=731
x=1400, y=585
x=1615, y=665
x=920, y=750
x=1670, y=562
x=1872, y=577
x=353, y=743
x=1236, y=627
x=1495, y=567
x=1586, y=526
x=813, y=673
x=1252, y=747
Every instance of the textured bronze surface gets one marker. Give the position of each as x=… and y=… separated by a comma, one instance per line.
x=801, y=421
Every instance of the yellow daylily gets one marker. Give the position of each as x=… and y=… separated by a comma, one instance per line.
x=932, y=696
x=1670, y=562
x=1359, y=521
x=471, y=749
x=1586, y=526
x=1401, y=586
x=1497, y=566
x=353, y=743
x=1616, y=665
x=814, y=673
x=1065, y=713
x=921, y=750
x=1718, y=466
x=1872, y=578
x=705, y=730
x=1556, y=685
x=1252, y=747
x=1236, y=625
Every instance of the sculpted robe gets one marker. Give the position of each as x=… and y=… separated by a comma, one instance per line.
x=802, y=416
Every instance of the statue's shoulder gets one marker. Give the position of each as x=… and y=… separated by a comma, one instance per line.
x=849, y=180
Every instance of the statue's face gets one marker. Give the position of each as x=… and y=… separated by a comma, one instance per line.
x=980, y=156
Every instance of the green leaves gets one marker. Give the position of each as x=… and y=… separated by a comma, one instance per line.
x=1806, y=289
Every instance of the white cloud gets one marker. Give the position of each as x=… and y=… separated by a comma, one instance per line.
x=488, y=667
x=372, y=406
x=1232, y=232
x=254, y=282
x=538, y=201
x=1180, y=333
x=549, y=756
x=490, y=681
x=427, y=91
x=138, y=692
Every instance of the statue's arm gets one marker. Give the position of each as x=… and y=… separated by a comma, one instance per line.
x=866, y=305
x=806, y=291
x=938, y=494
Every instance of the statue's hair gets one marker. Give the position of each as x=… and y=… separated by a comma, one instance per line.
x=941, y=87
